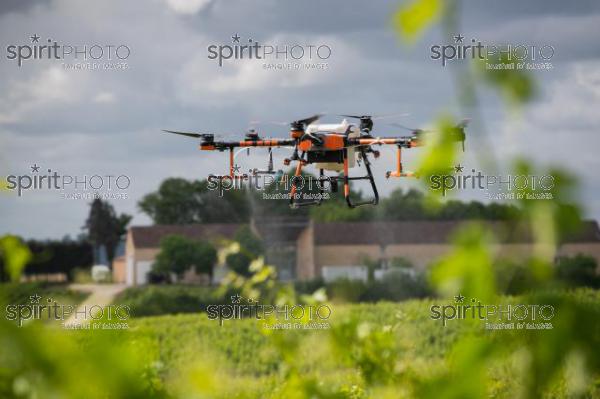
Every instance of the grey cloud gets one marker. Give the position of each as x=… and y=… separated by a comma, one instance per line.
x=172, y=85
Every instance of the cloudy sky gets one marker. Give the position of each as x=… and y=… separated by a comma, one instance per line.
x=108, y=122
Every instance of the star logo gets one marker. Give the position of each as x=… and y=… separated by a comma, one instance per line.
x=236, y=298
x=35, y=298
x=35, y=38
x=459, y=38
x=236, y=168
x=459, y=298
x=235, y=38
x=458, y=168
x=35, y=168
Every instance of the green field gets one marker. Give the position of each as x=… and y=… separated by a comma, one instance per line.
x=241, y=359
x=380, y=350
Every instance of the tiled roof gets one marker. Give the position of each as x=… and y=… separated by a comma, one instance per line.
x=356, y=233
x=150, y=236
x=424, y=232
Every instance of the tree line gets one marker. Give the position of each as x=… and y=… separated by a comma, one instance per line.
x=181, y=201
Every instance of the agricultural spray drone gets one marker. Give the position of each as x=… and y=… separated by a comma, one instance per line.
x=329, y=147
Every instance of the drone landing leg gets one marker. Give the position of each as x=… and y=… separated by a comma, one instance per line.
x=369, y=176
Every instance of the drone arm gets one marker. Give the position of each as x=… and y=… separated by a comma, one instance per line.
x=406, y=142
x=264, y=143
x=223, y=145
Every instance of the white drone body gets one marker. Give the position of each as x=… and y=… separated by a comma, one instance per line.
x=341, y=128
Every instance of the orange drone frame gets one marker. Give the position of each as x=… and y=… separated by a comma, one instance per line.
x=329, y=147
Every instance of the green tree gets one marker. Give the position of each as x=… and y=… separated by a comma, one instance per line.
x=104, y=227
x=181, y=201
x=251, y=247
x=249, y=241
x=404, y=205
x=178, y=254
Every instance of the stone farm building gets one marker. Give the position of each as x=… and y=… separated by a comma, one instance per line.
x=302, y=249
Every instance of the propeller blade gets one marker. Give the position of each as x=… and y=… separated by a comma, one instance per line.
x=377, y=117
x=402, y=126
x=310, y=119
x=414, y=130
x=355, y=116
x=277, y=123
x=188, y=134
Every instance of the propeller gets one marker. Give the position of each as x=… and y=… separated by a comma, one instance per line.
x=415, y=131
x=366, y=121
x=375, y=117
x=277, y=123
x=457, y=131
x=206, y=137
x=307, y=121
x=189, y=134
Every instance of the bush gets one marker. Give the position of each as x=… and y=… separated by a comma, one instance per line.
x=346, y=290
x=578, y=271
x=81, y=275
x=168, y=299
x=514, y=278
x=239, y=262
x=308, y=286
x=251, y=247
x=396, y=286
